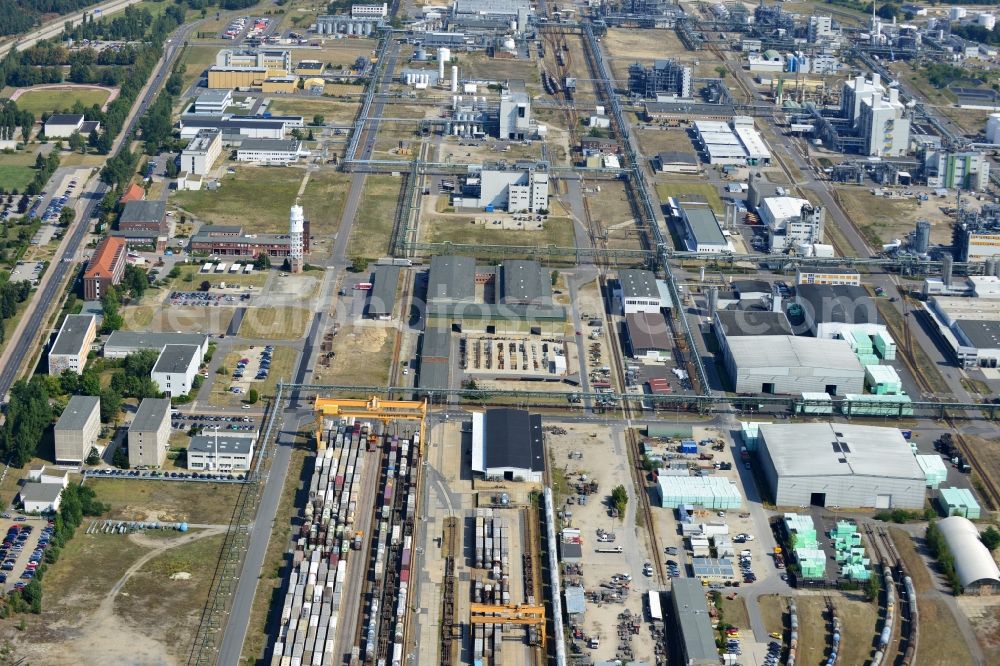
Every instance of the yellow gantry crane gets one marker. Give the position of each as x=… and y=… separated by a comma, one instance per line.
x=373, y=409
x=524, y=614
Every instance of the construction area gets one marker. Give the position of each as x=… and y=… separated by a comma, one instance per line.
x=546, y=358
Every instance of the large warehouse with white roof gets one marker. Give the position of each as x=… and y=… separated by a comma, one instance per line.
x=976, y=569
x=840, y=465
x=787, y=364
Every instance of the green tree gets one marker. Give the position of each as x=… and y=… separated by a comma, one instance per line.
x=990, y=538
x=619, y=499
x=873, y=587
x=262, y=262
x=318, y=120
x=555, y=277
x=120, y=459
x=721, y=71
x=252, y=396
x=359, y=264
x=66, y=216
x=29, y=415
x=111, y=404
x=94, y=457
x=77, y=143
x=135, y=280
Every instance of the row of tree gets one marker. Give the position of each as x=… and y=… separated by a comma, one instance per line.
x=12, y=118
x=938, y=547
x=978, y=33
x=11, y=294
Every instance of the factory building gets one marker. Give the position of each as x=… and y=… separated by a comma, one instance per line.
x=969, y=170
x=736, y=323
x=65, y=125
x=839, y=465
x=836, y=311
x=524, y=188
x=435, y=352
x=507, y=444
x=106, y=267
x=72, y=344
x=148, y=216
x=734, y=144
x=970, y=326
x=776, y=364
x=76, y=431
x=370, y=11
x=646, y=335
x=122, y=343
x=691, y=624
x=515, y=121
x=871, y=121
x=230, y=241
x=223, y=453
x=702, y=231
x=149, y=433
x=236, y=129
x=830, y=276
x=664, y=78
x=977, y=570
x=176, y=368
x=236, y=78
x=213, y=102
x=382, y=295
x=336, y=24
x=791, y=223
x=639, y=291
x=277, y=62
x=270, y=151
x=202, y=152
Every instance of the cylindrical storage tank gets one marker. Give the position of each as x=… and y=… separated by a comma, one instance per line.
x=454, y=78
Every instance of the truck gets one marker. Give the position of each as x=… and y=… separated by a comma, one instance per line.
x=779, y=559
x=609, y=549
x=356, y=541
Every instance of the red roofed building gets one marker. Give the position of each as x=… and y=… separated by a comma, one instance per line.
x=133, y=193
x=105, y=269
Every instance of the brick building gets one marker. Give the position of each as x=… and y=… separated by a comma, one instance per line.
x=105, y=269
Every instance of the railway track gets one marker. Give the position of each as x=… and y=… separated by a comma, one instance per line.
x=898, y=646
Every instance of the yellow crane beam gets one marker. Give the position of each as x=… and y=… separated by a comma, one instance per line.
x=525, y=609
x=374, y=408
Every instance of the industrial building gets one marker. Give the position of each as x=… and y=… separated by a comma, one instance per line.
x=176, y=368
x=692, y=624
x=122, y=343
x=202, y=152
x=148, y=216
x=65, y=125
x=735, y=144
x=970, y=326
x=236, y=78
x=41, y=497
x=777, y=364
x=733, y=323
x=702, y=232
x=524, y=188
x=836, y=311
x=977, y=571
x=791, y=223
x=507, y=444
x=639, y=291
x=435, y=354
x=76, y=431
x=382, y=295
x=664, y=78
x=275, y=61
x=106, y=267
x=839, y=465
x=72, y=344
x=222, y=453
x=675, y=161
x=871, y=120
x=236, y=129
x=646, y=335
x=515, y=121
x=149, y=433
x=335, y=24
x=213, y=102
x=968, y=170
x=831, y=276
x=231, y=241
x=270, y=151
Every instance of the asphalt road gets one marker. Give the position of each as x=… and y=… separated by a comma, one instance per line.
x=57, y=25
x=60, y=269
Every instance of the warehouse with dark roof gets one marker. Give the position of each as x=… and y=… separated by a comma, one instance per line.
x=507, y=444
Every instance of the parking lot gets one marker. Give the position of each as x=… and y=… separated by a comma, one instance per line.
x=114, y=473
x=254, y=365
x=204, y=298
x=22, y=550
x=207, y=423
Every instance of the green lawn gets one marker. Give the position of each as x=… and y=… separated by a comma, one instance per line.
x=268, y=191
x=211, y=503
x=277, y=323
x=14, y=177
x=196, y=60
x=333, y=111
x=40, y=101
x=558, y=231
x=323, y=201
x=373, y=225
x=677, y=188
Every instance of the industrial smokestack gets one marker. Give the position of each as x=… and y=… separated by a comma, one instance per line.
x=947, y=263
x=713, y=301
x=454, y=78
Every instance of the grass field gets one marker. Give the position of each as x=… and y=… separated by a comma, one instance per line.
x=947, y=646
x=772, y=611
x=558, y=231
x=880, y=219
x=170, y=591
x=16, y=170
x=278, y=323
x=199, y=503
x=61, y=99
x=373, y=225
x=196, y=60
x=157, y=317
x=652, y=142
x=271, y=190
x=323, y=202
x=362, y=354
x=333, y=111
x=678, y=188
